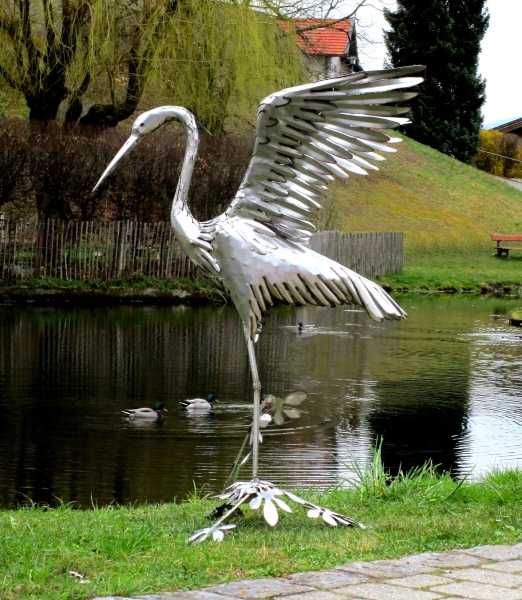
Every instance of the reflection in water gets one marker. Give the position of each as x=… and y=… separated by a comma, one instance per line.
x=443, y=385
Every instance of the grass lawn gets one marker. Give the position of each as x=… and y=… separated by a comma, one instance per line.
x=447, y=211
x=137, y=550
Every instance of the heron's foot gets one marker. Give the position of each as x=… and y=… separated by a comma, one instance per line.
x=221, y=510
x=264, y=494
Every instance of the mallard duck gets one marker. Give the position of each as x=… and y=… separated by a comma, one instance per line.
x=303, y=327
x=146, y=413
x=199, y=404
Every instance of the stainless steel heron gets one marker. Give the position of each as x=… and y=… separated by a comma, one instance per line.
x=258, y=248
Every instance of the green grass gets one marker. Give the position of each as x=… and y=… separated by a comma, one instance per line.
x=516, y=314
x=138, y=550
x=447, y=211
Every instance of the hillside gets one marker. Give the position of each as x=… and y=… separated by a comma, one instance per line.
x=446, y=209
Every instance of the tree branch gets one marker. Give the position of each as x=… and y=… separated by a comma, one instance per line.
x=139, y=65
x=9, y=28
x=33, y=53
x=50, y=34
x=283, y=13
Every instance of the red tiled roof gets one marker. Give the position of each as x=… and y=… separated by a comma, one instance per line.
x=331, y=40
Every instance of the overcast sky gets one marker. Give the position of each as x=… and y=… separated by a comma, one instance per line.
x=499, y=59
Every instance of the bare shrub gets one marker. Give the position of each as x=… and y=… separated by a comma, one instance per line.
x=62, y=169
x=142, y=189
x=219, y=170
x=51, y=173
x=14, y=183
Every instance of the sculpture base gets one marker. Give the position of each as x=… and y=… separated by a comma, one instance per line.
x=259, y=493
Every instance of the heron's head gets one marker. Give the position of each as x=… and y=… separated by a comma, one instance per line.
x=146, y=123
x=151, y=120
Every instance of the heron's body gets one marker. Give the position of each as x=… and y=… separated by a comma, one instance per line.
x=258, y=248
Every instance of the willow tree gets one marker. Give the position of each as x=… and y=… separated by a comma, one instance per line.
x=97, y=58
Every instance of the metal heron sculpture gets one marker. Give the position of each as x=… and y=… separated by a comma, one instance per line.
x=258, y=248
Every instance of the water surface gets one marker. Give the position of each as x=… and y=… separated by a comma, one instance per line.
x=443, y=385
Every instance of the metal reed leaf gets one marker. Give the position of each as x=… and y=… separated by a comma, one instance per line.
x=270, y=512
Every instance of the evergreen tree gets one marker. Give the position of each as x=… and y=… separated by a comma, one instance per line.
x=445, y=36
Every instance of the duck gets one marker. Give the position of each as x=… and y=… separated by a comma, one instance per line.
x=303, y=327
x=146, y=413
x=199, y=404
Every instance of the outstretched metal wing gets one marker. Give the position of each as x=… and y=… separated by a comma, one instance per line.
x=308, y=134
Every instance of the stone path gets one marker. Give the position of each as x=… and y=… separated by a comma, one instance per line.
x=482, y=573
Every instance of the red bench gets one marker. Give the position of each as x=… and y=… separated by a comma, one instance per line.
x=501, y=248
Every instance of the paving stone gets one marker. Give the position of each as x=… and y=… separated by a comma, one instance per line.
x=385, y=568
x=194, y=595
x=259, y=588
x=313, y=596
x=327, y=579
x=382, y=591
x=112, y=598
x=510, y=566
x=419, y=581
x=497, y=552
x=507, y=580
x=441, y=560
x=479, y=591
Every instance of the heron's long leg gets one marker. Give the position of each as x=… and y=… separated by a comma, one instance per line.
x=257, y=398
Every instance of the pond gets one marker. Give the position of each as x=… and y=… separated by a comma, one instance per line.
x=444, y=385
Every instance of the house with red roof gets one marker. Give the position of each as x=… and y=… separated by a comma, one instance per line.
x=329, y=45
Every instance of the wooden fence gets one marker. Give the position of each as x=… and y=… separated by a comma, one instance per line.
x=370, y=254
x=104, y=251
x=91, y=250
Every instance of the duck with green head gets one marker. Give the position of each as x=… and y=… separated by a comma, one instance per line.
x=199, y=404
x=146, y=413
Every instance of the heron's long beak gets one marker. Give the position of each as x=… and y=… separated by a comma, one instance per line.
x=129, y=145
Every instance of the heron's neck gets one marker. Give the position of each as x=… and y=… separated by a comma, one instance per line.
x=180, y=215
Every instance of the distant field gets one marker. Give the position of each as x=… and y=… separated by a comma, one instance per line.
x=447, y=211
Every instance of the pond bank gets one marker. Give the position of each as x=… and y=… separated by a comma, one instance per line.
x=141, y=290
x=131, y=551
x=95, y=294
x=60, y=297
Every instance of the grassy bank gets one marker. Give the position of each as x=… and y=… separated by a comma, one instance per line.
x=129, y=551
x=136, y=283
x=48, y=290
x=447, y=211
